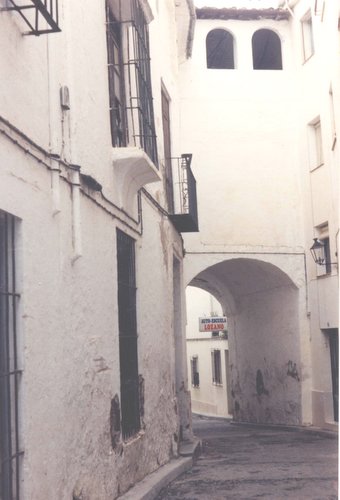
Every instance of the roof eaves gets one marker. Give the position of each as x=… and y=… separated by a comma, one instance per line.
x=242, y=14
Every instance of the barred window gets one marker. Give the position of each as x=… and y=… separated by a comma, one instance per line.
x=10, y=371
x=116, y=80
x=131, y=101
x=127, y=317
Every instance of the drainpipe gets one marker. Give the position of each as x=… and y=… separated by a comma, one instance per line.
x=191, y=29
x=76, y=217
x=55, y=184
x=52, y=125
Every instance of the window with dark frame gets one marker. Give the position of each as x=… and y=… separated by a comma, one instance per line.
x=10, y=369
x=333, y=338
x=127, y=318
x=195, y=376
x=266, y=47
x=220, y=49
x=216, y=366
x=327, y=255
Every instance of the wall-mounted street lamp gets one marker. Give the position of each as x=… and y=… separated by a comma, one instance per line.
x=320, y=253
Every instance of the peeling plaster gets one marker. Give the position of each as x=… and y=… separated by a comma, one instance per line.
x=292, y=370
x=260, y=388
x=115, y=426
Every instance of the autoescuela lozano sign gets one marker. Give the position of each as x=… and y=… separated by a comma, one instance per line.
x=212, y=324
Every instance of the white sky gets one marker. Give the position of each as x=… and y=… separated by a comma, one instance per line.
x=259, y=4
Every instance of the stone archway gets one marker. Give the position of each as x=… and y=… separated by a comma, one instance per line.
x=266, y=311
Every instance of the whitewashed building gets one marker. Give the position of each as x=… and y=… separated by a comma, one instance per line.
x=207, y=355
x=108, y=112
x=264, y=88
x=93, y=373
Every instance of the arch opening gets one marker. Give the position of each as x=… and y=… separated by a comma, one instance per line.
x=220, y=49
x=266, y=47
x=262, y=306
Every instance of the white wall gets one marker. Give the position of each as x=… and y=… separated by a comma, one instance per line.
x=244, y=140
x=258, y=199
x=317, y=76
x=243, y=143
x=69, y=323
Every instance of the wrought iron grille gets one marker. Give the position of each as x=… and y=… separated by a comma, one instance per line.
x=127, y=317
x=116, y=80
x=140, y=101
x=131, y=103
x=10, y=372
x=185, y=217
x=41, y=16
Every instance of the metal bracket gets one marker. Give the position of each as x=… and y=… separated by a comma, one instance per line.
x=41, y=16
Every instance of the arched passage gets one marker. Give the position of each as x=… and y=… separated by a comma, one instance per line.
x=262, y=304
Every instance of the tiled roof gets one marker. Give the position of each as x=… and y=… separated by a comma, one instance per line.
x=240, y=4
x=241, y=13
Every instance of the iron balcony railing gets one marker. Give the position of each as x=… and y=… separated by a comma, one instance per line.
x=41, y=16
x=185, y=217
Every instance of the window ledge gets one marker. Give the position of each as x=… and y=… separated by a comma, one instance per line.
x=323, y=275
x=134, y=439
x=133, y=169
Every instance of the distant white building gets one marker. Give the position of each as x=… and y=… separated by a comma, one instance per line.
x=208, y=357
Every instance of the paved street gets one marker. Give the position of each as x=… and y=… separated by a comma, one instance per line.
x=245, y=462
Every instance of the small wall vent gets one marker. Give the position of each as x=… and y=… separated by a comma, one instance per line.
x=65, y=97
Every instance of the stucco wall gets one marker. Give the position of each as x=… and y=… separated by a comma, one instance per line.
x=319, y=83
x=258, y=198
x=265, y=358
x=70, y=342
x=243, y=142
x=69, y=323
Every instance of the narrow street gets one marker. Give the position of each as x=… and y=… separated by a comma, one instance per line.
x=244, y=462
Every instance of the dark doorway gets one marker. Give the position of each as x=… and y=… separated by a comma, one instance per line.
x=334, y=352
x=128, y=354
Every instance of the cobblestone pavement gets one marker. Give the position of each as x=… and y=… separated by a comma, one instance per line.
x=244, y=462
